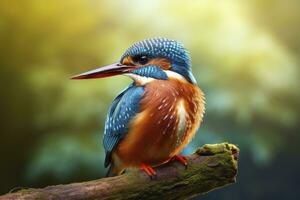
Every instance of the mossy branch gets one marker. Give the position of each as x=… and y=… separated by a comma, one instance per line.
x=210, y=167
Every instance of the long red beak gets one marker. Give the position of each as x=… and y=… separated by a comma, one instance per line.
x=107, y=71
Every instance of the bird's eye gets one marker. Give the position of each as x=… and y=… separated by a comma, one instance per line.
x=141, y=60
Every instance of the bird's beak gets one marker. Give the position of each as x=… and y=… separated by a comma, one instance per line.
x=107, y=71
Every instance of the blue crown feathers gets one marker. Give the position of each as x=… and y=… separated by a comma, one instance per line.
x=160, y=47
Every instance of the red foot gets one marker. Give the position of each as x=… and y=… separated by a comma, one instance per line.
x=181, y=159
x=149, y=170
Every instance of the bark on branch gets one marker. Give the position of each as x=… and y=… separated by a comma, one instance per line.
x=210, y=167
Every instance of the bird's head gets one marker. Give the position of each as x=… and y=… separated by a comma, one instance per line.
x=144, y=61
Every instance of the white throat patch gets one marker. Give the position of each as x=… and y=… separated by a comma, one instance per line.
x=142, y=80
x=175, y=75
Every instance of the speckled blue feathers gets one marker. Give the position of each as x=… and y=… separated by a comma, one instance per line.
x=160, y=47
x=123, y=109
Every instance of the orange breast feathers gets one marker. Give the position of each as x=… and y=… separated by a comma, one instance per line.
x=171, y=112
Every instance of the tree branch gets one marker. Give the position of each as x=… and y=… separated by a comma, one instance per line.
x=210, y=167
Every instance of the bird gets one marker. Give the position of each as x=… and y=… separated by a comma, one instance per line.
x=157, y=115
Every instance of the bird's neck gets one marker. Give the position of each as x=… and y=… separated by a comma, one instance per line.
x=184, y=71
x=143, y=80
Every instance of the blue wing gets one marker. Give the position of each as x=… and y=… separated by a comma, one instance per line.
x=123, y=109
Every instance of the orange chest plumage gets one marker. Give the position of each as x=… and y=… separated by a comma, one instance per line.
x=170, y=113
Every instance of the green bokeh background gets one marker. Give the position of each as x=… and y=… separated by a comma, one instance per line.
x=245, y=56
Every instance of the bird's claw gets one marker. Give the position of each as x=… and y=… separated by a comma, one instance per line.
x=149, y=170
x=181, y=159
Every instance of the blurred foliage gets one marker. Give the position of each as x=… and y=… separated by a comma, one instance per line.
x=245, y=57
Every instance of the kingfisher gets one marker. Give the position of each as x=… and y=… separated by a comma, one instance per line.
x=156, y=116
